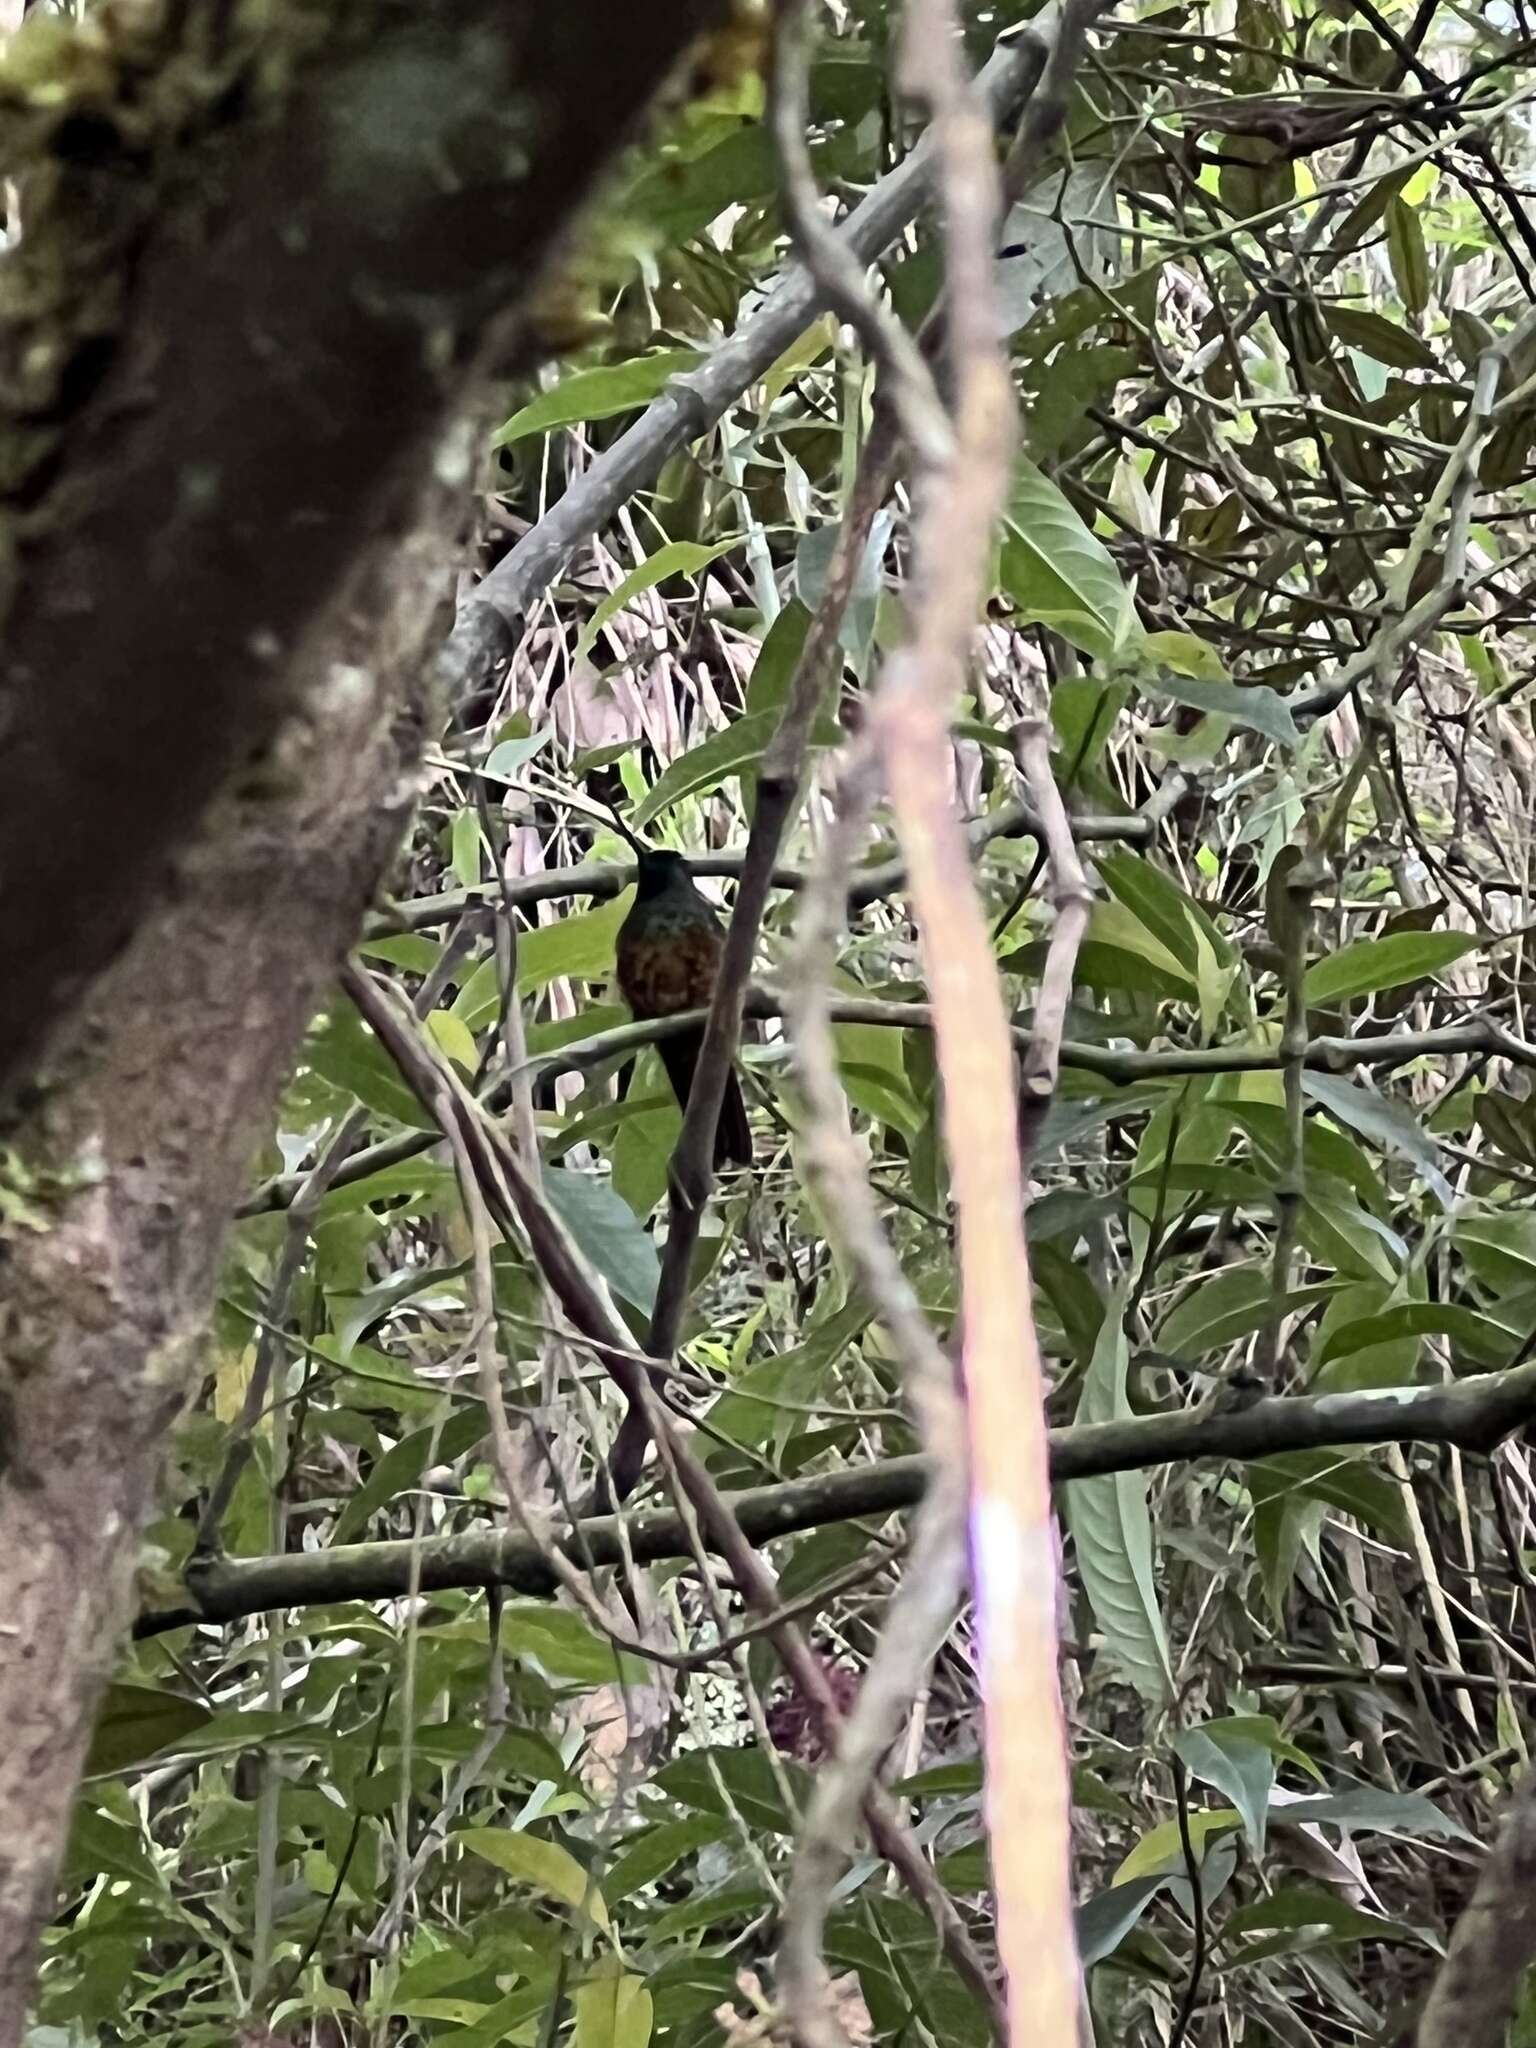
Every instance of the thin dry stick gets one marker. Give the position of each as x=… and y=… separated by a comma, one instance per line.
x=778, y=792
x=923, y=1608
x=1014, y=1551
x=1072, y=896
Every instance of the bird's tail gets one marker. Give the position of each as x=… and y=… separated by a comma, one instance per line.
x=733, y=1134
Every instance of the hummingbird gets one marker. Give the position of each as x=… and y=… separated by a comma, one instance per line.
x=669, y=950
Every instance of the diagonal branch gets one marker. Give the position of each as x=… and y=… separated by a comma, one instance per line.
x=691, y=405
x=522, y=1213
x=1475, y=1414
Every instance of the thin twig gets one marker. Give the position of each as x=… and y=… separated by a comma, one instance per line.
x=1072, y=898
x=1014, y=1552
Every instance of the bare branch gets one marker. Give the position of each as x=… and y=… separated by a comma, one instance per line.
x=1476, y=1414
x=692, y=404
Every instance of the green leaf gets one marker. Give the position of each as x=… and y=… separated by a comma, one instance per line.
x=354, y=1315
x=1163, y=908
x=1112, y=1531
x=1295, y=1907
x=1104, y=1920
x=650, y=1856
x=644, y=1142
x=1185, y=653
x=579, y=945
x=598, y=394
x=604, y=1226
x=1338, y=1478
x=677, y=558
x=1392, y=962
x=1408, y=256
x=137, y=1721
x=1364, y=1807
x=1387, y=341
x=681, y=196
x=873, y=1072
x=1161, y=1850
x=509, y=756
x=748, y=1415
x=1222, y=1307
x=455, y=1039
x=564, y=1647
x=613, y=2010
x=706, y=766
x=1121, y=952
x=1489, y=1342
x=1238, y=1767
x=544, y=1865
x=1500, y=1249
x=1260, y=708
x=1055, y=572
x=777, y=659
x=343, y=1051
x=1345, y=1235
x=467, y=840
x=401, y=1467
x=748, y=1777
x=1383, y=1122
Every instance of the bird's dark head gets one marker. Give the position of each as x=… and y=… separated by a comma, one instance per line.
x=659, y=869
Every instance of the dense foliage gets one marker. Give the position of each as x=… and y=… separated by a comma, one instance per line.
x=1269, y=312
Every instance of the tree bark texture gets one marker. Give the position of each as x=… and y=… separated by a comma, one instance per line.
x=230, y=515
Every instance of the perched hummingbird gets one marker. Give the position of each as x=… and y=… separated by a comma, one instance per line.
x=669, y=950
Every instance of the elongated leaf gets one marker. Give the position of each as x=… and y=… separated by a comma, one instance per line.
x=138, y=1720
x=1485, y=1341
x=613, y=2010
x=1388, y=341
x=1261, y=709
x=579, y=945
x=1409, y=257
x=657, y=1851
x=1161, y=1849
x=1385, y=1123
x=1236, y=1765
x=1224, y=1306
x=1055, y=571
x=544, y=1865
x=401, y=1467
x=1108, y=1917
x=1367, y=1807
x=1112, y=1531
x=597, y=394
x=677, y=558
x=604, y=1226
x=1339, y=1478
x=1392, y=962
x=707, y=765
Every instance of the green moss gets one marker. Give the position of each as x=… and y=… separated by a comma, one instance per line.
x=30, y=1190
